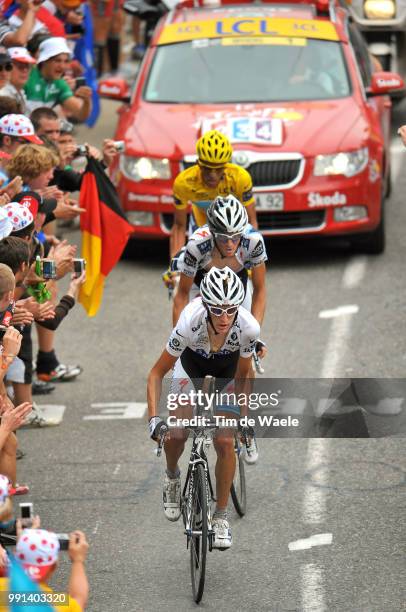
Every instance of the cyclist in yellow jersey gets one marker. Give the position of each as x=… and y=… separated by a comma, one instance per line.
x=199, y=185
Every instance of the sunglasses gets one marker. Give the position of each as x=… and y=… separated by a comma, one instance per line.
x=224, y=238
x=7, y=68
x=217, y=311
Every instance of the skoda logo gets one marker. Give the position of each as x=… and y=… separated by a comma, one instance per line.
x=241, y=158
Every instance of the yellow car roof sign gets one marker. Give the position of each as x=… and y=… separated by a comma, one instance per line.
x=253, y=26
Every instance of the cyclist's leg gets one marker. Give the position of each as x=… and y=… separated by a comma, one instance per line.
x=175, y=446
x=224, y=441
x=225, y=467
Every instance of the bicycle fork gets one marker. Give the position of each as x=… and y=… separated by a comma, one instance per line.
x=187, y=503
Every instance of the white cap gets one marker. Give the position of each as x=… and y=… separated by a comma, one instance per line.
x=37, y=550
x=20, y=216
x=52, y=47
x=20, y=54
x=6, y=227
x=19, y=126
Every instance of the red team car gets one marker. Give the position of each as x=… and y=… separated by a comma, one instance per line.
x=293, y=86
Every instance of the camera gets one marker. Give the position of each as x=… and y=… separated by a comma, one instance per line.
x=63, y=539
x=80, y=81
x=81, y=151
x=26, y=512
x=119, y=145
x=48, y=269
x=79, y=266
x=77, y=29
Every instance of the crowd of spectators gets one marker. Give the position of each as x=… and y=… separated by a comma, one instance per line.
x=39, y=186
x=45, y=91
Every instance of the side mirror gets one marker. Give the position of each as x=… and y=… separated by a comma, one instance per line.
x=114, y=88
x=384, y=83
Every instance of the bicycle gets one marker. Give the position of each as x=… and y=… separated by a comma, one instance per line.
x=198, y=495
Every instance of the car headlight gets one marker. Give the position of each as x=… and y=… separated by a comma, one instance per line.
x=380, y=9
x=348, y=164
x=142, y=168
x=140, y=217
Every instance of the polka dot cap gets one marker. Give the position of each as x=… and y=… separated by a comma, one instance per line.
x=19, y=126
x=19, y=215
x=37, y=549
x=6, y=226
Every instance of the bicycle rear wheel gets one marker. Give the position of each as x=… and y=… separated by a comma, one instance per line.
x=238, y=489
x=198, y=542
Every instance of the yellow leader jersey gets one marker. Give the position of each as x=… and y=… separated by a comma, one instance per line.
x=189, y=188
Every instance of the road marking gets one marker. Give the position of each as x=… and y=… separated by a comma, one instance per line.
x=117, y=410
x=314, y=498
x=312, y=588
x=320, y=539
x=339, y=311
x=96, y=528
x=117, y=469
x=354, y=272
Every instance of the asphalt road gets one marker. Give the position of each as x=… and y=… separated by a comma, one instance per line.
x=99, y=474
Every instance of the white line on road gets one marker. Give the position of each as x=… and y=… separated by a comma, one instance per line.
x=117, y=469
x=319, y=539
x=312, y=588
x=354, y=272
x=117, y=410
x=96, y=528
x=340, y=311
x=314, y=498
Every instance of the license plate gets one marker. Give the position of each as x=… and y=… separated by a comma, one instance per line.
x=269, y=201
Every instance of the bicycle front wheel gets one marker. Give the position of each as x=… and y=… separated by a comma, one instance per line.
x=198, y=540
x=238, y=489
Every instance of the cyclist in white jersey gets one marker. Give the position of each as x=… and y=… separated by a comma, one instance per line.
x=214, y=336
x=226, y=240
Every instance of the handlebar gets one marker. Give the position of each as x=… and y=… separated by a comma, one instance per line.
x=257, y=363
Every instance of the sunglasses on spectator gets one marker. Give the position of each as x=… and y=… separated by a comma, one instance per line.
x=224, y=238
x=6, y=67
x=22, y=65
x=217, y=311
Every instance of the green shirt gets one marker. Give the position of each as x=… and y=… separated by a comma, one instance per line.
x=45, y=93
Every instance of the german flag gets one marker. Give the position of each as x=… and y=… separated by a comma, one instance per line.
x=105, y=232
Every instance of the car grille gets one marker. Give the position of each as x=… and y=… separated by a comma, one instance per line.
x=271, y=172
x=280, y=221
x=278, y=172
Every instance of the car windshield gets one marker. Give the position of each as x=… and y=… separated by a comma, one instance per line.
x=226, y=71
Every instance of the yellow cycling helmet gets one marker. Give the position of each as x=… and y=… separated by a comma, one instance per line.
x=214, y=149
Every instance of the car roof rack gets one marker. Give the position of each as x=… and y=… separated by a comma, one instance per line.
x=323, y=7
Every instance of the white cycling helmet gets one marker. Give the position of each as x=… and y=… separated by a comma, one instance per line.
x=222, y=287
x=226, y=215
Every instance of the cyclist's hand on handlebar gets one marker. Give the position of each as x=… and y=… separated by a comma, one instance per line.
x=260, y=349
x=169, y=278
x=157, y=428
